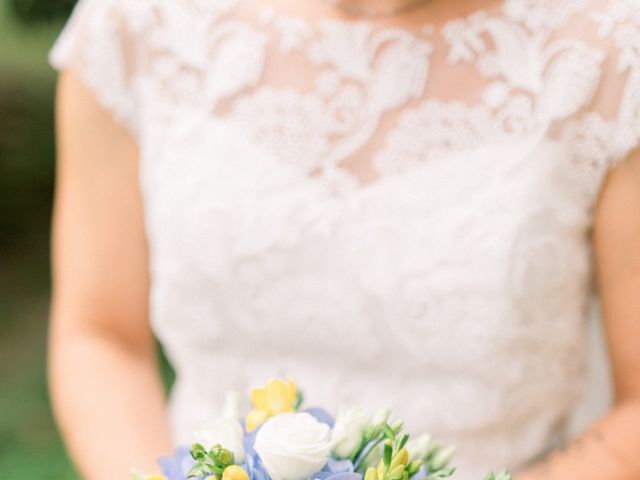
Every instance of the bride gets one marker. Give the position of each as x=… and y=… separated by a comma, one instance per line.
x=399, y=203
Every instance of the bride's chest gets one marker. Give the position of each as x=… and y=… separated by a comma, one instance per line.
x=328, y=185
x=219, y=203
x=235, y=233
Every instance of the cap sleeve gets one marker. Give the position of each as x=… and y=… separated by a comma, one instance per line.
x=606, y=130
x=96, y=45
x=618, y=26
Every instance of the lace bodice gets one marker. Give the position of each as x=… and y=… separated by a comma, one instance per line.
x=394, y=214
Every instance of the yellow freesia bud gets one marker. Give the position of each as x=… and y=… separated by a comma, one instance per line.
x=371, y=474
x=156, y=477
x=274, y=398
x=255, y=418
x=234, y=472
x=382, y=470
x=396, y=472
x=401, y=458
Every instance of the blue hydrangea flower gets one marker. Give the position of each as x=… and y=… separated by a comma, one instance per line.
x=337, y=470
x=321, y=415
x=177, y=467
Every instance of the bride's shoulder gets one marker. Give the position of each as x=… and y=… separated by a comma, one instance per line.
x=141, y=16
x=597, y=21
x=135, y=29
x=610, y=29
x=619, y=9
x=585, y=19
x=614, y=25
x=597, y=47
x=585, y=58
x=604, y=18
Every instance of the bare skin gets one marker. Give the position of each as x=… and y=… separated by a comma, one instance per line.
x=609, y=448
x=437, y=12
x=106, y=390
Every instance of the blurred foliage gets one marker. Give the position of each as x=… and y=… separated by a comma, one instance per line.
x=30, y=446
x=26, y=160
x=30, y=11
x=26, y=165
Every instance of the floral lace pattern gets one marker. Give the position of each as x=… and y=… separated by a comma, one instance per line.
x=342, y=199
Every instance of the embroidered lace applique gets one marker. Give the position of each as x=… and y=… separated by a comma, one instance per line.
x=347, y=202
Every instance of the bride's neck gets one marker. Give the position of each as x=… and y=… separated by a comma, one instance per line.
x=436, y=8
x=377, y=5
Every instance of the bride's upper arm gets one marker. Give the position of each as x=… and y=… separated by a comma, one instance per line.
x=616, y=237
x=99, y=250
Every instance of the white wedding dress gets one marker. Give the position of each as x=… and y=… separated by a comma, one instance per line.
x=392, y=215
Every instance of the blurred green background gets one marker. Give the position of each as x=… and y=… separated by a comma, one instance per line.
x=30, y=447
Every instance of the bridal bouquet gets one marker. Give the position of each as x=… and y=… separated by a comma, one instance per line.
x=278, y=440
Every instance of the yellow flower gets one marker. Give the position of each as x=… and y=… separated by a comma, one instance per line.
x=274, y=398
x=234, y=472
x=138, y=475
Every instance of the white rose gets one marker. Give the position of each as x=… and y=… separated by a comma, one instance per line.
x=292, y=446
x=225, y=432
x=347, y=431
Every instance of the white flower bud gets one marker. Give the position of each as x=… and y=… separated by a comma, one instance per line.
x=418, y=447
x=442, y=458
x=380, y=417
x=397, y=425
x=231, y=410
x=348, y=430
x=224, y=432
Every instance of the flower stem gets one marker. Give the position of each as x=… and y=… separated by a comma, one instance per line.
x=366, y=451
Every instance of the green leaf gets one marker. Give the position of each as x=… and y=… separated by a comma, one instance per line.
x=397, y=426
x=444, y=473
x=224, y=458
x=197, y=471
x=388, y=431
x=503, y=475
x=413, y=467
x=198, y=452
x=402, y=441
x=434, y=446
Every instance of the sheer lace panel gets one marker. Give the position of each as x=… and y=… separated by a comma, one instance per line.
x=350, y=201
x=351, y=101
